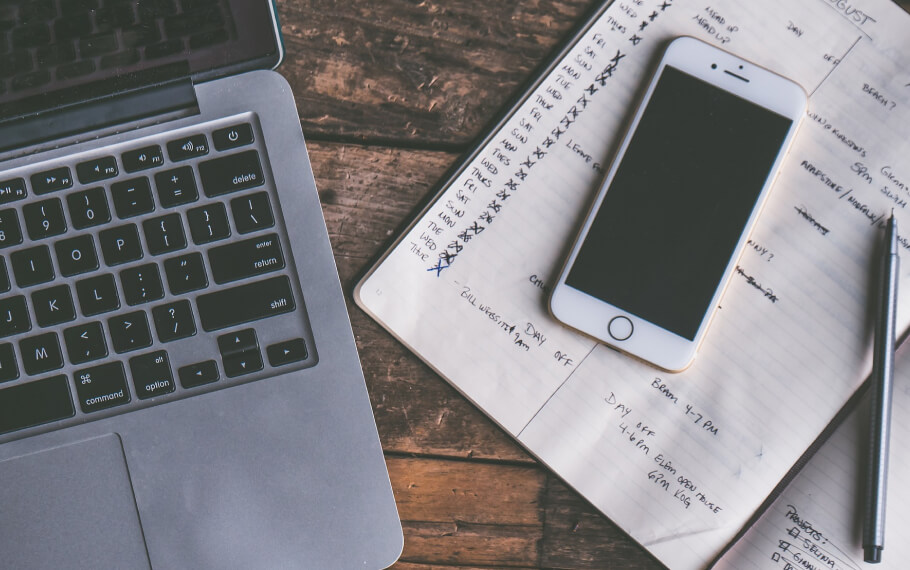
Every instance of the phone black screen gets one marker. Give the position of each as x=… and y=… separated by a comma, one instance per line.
x=679, y=201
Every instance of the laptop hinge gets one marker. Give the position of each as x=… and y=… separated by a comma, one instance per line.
x=83, y=118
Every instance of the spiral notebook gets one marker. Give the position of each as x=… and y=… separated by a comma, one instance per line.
x=682, y=462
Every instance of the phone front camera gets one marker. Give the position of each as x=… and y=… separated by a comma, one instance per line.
x=713, y=66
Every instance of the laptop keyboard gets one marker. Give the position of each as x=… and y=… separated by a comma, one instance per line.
x=56, y=40
x=143, y=273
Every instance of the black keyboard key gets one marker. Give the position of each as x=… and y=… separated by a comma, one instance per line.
x=9, y=370
x=231, y=173
x=120, y=244
x=132, y=197
x=164, y=234
x=52, y=180
x=208, y=223
x=233, y=136
x=10, y=231
x=41, y=353
x=12, y=190
x=99, y=44
x=247, y=258
x=287, y=352
x=154, y=9
x=101, y=387
x=152, y=374
x=141, y=35
x=5, y=283
x=174, y=321
x=141, y=284
x=31, y=35
x=44, y=219
x=185, y=273
x=176, y=187
x=129, y=332
x=15, y=63
x=77, y=7
x=76, y=69
x=36, y=12
x=164, y=49
x=35, y=403
x=73, y=26
x=194, y=375
x=252, y=212
x=97, y=169
x=31, y=80
x=123, y=58
x=238, y=342
x=240, y=353
x=114, y=15
x=142, y=158
x=76, y=255
x=88, y=208
x=97, y=295
x=14, y=317
x=85, y=343
x=242, y=363
x=245, y=303
x=32, y=266
x=188, y=147
x=55, y=54
x=53, y=305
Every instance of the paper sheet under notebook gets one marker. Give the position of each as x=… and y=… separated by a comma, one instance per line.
x=679, y=461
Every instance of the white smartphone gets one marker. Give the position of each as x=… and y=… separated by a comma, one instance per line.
x=677, y=205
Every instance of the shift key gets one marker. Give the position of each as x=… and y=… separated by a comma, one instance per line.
x=245, y=303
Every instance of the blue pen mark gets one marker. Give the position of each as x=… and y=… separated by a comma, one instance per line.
x=438, y=268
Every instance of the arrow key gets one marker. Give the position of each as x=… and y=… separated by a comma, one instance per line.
x=198, y=374
x=242, y=363
x=240, y=352
x=287, y=352
x=237, y=342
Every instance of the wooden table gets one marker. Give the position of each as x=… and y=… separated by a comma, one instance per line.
x=390, y=94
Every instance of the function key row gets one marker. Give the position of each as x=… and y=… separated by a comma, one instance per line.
x=105, y=167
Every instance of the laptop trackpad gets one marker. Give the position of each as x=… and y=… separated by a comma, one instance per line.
x=71, y=504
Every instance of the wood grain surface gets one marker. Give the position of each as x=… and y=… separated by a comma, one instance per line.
x=390, y=94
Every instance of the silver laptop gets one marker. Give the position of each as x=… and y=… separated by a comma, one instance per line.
x=179, y=385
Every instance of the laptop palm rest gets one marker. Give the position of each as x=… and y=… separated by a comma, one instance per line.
x=95, y=521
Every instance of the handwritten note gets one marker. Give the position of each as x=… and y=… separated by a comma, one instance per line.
x=817, y=521
x=680, y=461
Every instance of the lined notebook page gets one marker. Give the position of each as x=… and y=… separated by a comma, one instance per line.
x=817, y=521
x=680, y=461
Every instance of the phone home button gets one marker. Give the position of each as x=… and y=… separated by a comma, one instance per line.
x=620, y=328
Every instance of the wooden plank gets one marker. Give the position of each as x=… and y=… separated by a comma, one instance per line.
x=469, y=512
x=432, y=72
x=467, y=492
x=466, y=544
x=412, y=566
x=368, y=194
x=577, y=536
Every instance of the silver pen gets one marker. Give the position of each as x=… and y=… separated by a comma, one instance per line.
x=882, y=378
